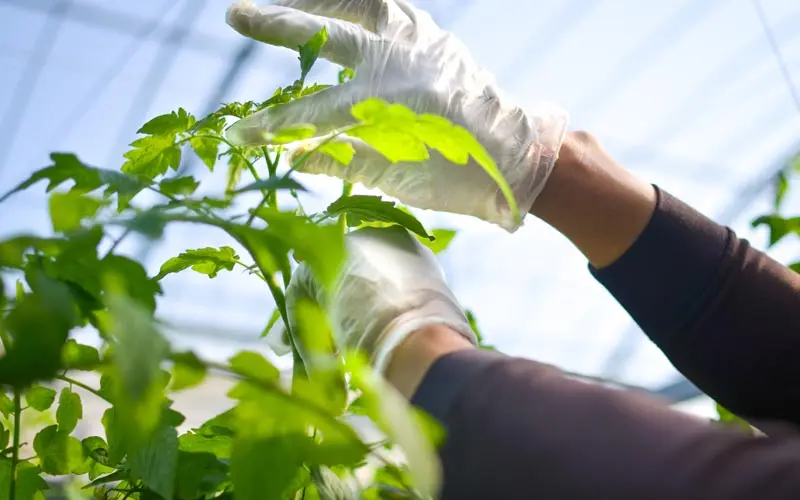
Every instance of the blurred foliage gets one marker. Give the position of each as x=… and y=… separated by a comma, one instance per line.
x=276, y=442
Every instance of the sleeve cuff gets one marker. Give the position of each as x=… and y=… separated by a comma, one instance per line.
x=662, y=278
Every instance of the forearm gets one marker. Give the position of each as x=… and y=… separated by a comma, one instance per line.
x=725, y=314
x=593, y=201
x=519, y=429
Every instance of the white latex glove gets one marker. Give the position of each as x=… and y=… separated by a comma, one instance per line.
x=390, y=286
x=400, y=55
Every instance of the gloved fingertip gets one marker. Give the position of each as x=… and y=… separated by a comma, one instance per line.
x=242, y=133
x=237, y=10
x=277, y=341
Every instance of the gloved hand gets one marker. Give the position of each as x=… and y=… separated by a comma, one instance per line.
x=401, y=56
x=389, y=287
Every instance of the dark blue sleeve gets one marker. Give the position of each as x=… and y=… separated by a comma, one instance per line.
x=725, y=314
x=517, y=429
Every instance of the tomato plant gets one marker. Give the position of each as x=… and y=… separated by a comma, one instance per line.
x=277, y=442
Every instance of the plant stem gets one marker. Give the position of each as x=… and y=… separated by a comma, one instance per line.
x=12, y=488
x=347, y=188
x=304, y=403
x=118, y=241
x=83, y=386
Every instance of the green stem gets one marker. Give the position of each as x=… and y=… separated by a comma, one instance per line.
x=12, y=488
x=118, y=241
x=83, y=386
x=252, y=269
x=347, y=188
x=299, y=161
x=306, y=404
x=173, y=199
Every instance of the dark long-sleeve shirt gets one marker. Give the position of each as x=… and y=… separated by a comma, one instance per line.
x=725, y=314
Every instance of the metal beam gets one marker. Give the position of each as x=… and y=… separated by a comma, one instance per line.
x=131, y=25
x=238, y=64
x=156, y=74
x=23, y=92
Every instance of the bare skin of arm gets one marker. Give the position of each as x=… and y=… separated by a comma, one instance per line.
x=599, y=206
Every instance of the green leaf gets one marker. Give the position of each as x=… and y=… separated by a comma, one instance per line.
x=273, y=319
x=781, y=188
x=268, y=250
x=294, y=133
x=254, y=366
x=268, y=412
x=726, y=417
x=133, y=280
x=237, y=109
x=38, y=327
x=208, y=261
x=342, y=152
x=40, y=398
x=96, y=451
x=206, y=148
x=473, y=323
x=115, y=435
x=236, y=165
x=317, y=346
x=330, y=486
x=345, y=75
x=169, y=124
x=361, y=209
x=320, y=246
x=67, y=167
x=779, y=227
x=6, y=404
x=30, y=484
x=396, y=144
x=272, y=184
x=441, y=240
x=68, y=210
x=13, y=250
x=58, y=452
x=309, y=52
x=795, y=267
x=393, y=414
x=219, y=446
x=151, y=156
x=155, y=463
x=4, y=437
x=399, y=134
x=138, y=378
x=199, y=474
x=70, y=410
x=77, y=356
x=183, y=186
x=281, y=456
x=188, y=371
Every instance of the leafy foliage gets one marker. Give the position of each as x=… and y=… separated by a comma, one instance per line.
x=275, y=442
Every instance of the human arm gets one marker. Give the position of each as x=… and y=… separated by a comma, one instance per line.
x=520, y=429
x=588, y=197
x=516, y=428
x=726, y=315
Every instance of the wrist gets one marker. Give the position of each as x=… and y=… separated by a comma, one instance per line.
x=593, y=201
x=414, y=356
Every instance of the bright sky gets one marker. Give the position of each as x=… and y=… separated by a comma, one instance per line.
x=685, y=93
